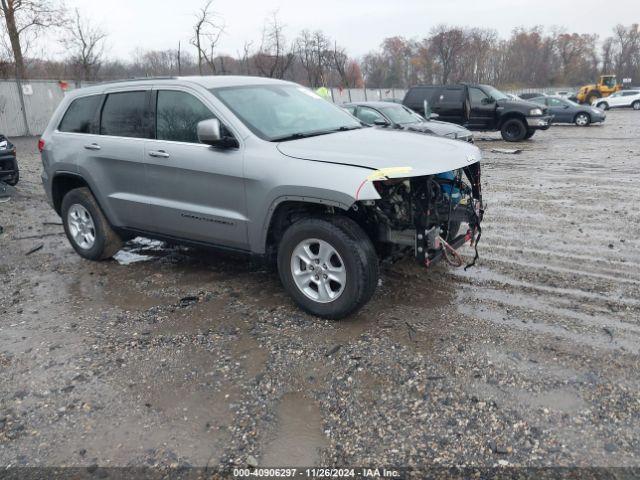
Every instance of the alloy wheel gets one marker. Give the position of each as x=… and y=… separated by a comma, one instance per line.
x=81, y=226
x=318, y=270
x=582, y=120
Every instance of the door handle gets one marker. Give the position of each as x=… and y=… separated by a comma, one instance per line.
x=159, y=154
x=92, y=146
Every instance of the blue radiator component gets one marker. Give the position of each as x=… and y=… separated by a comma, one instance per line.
x=451, y=191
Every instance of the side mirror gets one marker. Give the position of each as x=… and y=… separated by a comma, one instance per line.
x=210, y=133
x=381, y=123
x=488, y=100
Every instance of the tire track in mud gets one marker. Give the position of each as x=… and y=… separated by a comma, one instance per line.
x=559, y=252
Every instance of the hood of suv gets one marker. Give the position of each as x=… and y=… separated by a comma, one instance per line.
x=377, y=149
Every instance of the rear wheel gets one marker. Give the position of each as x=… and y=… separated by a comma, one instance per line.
x=582, y=119
x=328, y=265
x=636, y=105
x=603, y=106
x=87, y=228
x=513, y=130
x=530, y=133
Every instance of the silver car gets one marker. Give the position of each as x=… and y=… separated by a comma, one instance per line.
x=392, y=115
x=260, y=166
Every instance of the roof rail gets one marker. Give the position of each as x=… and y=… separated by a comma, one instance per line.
x=138, y=79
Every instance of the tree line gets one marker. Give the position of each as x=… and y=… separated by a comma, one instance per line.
x=530, y=57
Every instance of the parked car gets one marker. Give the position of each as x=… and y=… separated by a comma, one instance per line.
x=9, y=171
x=400, y=117
x=259, y=166
x=480, y=107
x=623, y=98
x=566, y=111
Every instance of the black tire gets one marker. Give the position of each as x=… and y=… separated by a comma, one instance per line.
x=636, y=105
x=593, y=96
x=582, y=119
x=603, y=106
x=530, y=133
x=356, y=251
x=106, y=242
x=513, y=130
x=13, y=181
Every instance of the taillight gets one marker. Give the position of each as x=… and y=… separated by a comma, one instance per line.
x=41, y=145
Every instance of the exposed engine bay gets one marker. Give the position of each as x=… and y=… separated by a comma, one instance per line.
x=426, y=214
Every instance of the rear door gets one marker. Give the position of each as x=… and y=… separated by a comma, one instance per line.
x=483, y=110
x=113, y=160
x=197, y=190
x=449, y=103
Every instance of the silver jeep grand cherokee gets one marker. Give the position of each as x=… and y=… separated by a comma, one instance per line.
x=260, y=166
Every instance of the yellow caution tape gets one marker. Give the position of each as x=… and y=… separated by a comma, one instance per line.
x=383, y=173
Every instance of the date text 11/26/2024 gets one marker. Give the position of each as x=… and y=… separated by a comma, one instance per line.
x=317, y=472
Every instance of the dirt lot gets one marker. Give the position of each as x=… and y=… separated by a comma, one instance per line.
x=194, y=358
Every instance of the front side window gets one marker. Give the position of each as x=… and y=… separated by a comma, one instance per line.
x=126, y=114
x=369, y=115
x=178, y=114
x=79, y=117
x=554, y=102
x=277, y=112
x=477, y=96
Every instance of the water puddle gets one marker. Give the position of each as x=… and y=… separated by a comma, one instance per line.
x=299, y=436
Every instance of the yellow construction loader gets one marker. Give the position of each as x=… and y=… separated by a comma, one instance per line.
x=605, y=87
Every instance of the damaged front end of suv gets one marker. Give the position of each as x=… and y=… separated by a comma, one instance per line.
x=430, y=216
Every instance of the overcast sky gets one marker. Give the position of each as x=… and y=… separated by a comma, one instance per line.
x=360, y=25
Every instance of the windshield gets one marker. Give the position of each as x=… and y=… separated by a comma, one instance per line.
x=278, y=112
x=401, y=115
x=494, y=92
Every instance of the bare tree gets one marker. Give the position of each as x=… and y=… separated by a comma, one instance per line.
x=85, y=42
x=274, y=57
x=446, y=44
x=313, y=53
x=206, y=35
x=23, y=20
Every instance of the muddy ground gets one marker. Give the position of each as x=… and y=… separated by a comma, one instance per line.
x=530, y=359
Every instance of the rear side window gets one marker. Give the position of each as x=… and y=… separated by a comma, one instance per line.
x=416, y=96
x=178, y=114
x=125, y=114
x=79, y=117
x=449, y=95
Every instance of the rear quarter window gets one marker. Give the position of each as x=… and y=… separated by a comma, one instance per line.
x=80, y=116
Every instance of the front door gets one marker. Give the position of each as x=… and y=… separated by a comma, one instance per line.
x=197, y=190
x=483, y=110
x=561, y=111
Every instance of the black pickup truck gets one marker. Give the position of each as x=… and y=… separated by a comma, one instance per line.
x=479, y=107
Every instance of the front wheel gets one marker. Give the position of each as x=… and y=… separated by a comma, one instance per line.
x=87, y=229
x=530, y=133
x=636, y=105
x=328, y=265
x=603, y=106
x=513, y=130
x=583, y=120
